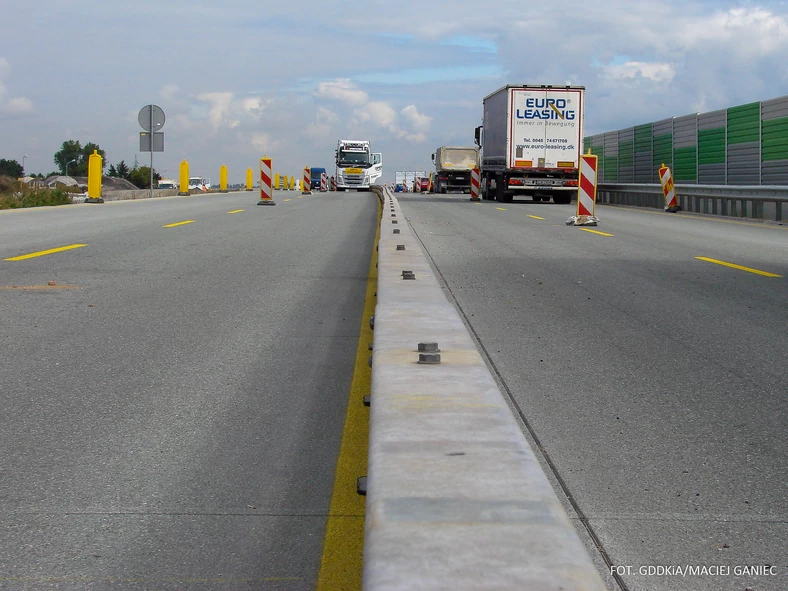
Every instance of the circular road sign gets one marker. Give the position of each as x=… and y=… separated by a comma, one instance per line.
x=151, y=118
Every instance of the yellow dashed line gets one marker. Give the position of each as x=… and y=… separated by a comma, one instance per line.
x=235, y=211
x=178, y=224
x=536, y=217
x=41, y=253
x=596, y=232
x=739, y=267
x=501, y=208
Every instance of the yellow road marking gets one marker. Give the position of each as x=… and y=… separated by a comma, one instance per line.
x=343, y=548
x=286, y=200
x=536, y=217
x=596, y=232
x=739, y=267
x=235, y=211
x=178, y=224
x=41, y=253
x=501, y=208
x=477, y=202
x=300, y=197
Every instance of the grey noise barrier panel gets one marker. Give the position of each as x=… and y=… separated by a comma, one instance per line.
x=456, y=498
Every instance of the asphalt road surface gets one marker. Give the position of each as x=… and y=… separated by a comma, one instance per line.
x=656, y=383
x=172, y=408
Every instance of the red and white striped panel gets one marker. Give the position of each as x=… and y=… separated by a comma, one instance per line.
x=323, y=182
x=668, y=189
x=333, y=184
x=266, y=191
x=586, y=191
x=306, y=186
x=475, y=184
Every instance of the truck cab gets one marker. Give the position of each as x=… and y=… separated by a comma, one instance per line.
x=357, y=167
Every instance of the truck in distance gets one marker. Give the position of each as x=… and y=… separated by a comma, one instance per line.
x=357, y=166
x=316, y=174
x=531, y=140
x=453, y=166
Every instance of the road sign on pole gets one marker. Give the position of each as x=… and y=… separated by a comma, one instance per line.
x=151, y=119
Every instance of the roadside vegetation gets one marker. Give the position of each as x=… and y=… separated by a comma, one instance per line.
x=14, y=196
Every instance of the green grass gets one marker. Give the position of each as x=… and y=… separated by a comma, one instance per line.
x=14, y=197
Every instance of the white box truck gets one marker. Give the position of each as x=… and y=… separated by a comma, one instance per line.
x=531, y=140
x=453, y=166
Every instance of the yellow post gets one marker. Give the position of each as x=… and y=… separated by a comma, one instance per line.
x=223, y=179
x=292, y=183
x=184, y=188
x=94, y=178
x=276, y=181
x=249, y=179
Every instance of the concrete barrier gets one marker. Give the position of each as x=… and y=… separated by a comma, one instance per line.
x=456, y=498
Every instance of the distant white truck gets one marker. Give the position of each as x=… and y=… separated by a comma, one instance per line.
x=453, y=166
x=199, y=182
x=357, y=167
x=531, y=140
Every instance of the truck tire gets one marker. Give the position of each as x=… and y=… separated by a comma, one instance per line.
x=562, y=199
x=499, y=192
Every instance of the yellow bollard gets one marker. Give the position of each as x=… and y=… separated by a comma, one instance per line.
x=249, y=179
x=184, y=184
x=223, y=179
x=276, y=181
x=94, y=178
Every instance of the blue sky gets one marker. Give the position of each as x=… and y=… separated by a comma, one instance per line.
x=244, y=78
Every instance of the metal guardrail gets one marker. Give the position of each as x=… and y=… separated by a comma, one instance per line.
x=764, y=203
x=456, y=498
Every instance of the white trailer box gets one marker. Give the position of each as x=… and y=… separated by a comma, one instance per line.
x=532, y=139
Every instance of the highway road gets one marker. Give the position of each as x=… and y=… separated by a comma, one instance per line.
x=172, y=407
x=654, y=382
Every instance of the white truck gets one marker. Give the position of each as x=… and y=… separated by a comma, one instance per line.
x=357, y=166
x=531, y=140
x=453, y=166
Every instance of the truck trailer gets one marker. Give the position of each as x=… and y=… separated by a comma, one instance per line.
x=453, y=166
x=531, y=140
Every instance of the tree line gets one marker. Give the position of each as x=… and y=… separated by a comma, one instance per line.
x=72, y=159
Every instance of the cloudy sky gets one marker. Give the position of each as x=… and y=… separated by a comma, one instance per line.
x=241, y=78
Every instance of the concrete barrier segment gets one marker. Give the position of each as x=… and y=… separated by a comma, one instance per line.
x=456, y=498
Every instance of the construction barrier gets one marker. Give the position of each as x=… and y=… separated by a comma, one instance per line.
x=249, y=179
x=306, y=184
x=266, y=190
x=668, y=189
x=333, y=184
x=323, y=182
x=292, y=183
x=475, y=184
x=94, y=178
x=586, y=190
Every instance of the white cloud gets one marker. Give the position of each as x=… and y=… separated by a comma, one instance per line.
x=342, y=90
x=219, y=104
x=652, y=71
x=18, y=105
x=323, y=125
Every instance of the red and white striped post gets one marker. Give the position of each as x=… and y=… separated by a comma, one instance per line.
x=323, y=182
x=669, y=190
x=333, y=184
x=306, y=183
x=586, y=188
x=475, y=184
x=266, y=190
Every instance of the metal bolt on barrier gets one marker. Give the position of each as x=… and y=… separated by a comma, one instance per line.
x=367, y=400
x=408, y=275
x=429, y=358
x=394, y=222
x=400, y=247
x=361, y=486
x=429, y=347
x=370, y=360
x=372, y=323
x=396, y=230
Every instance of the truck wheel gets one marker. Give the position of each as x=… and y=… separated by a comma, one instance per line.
x=499, y=188
x=562, y=199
